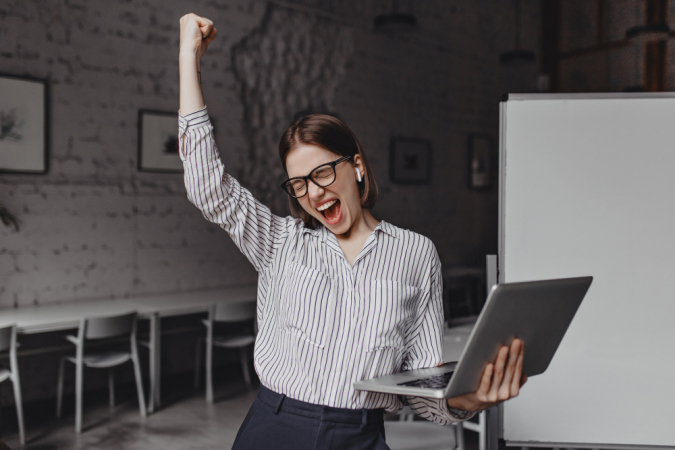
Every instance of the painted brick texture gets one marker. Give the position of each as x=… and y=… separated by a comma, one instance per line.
x=95, y=227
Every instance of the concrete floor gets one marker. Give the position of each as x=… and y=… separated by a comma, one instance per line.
x=184, y=422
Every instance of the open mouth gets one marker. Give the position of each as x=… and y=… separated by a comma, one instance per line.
x=331, y=211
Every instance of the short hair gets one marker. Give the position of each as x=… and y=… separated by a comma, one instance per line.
x=332, y=134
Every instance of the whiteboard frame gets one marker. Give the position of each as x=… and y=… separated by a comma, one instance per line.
x=573, y=445
x=501, y=246
x=588, y=96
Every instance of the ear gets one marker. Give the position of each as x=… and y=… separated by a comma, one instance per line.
x=358, y=164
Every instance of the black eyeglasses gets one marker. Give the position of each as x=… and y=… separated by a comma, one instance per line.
x=322, y=176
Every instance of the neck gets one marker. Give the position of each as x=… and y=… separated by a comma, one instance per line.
x=364, y=224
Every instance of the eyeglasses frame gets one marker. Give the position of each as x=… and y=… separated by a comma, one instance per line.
x=306, y=178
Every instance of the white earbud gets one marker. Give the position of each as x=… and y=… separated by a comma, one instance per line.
x=358, y=174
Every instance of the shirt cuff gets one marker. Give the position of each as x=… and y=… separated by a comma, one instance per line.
x=460, y=414
x=456, y=414
x=193, y=120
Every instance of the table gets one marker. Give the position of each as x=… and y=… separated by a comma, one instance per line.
x=168, y=305
x=66, y=316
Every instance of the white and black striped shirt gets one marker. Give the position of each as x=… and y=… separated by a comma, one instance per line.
x=323, y=323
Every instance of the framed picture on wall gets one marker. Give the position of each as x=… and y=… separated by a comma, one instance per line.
x=480, y=161
x=23, y=125
x=410, y=160
x=158, y=142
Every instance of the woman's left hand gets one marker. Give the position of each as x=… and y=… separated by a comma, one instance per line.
x=500, y=381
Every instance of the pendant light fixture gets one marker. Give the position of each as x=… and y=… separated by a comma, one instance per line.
x=647, y=34
x=655, y=29
x=517, y=57
x=395, y=22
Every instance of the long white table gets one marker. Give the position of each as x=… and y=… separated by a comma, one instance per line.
x=66, y=316
x=168, y=305
x=58, y=317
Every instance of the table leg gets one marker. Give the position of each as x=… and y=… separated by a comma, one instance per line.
x=155, y=362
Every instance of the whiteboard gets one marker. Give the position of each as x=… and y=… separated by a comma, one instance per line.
x=587, y=187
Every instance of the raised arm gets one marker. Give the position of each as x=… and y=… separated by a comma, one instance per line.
x=196, y=33
x=221, y=199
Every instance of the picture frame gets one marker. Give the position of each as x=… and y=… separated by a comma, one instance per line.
x=158, y=142
x=410, y=160
x=24, y=124
x=480, y=161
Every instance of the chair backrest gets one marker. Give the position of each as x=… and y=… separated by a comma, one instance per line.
x=233, y=312
x=6, y=338
x=109, y=326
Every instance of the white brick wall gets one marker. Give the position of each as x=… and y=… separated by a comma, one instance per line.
x=94, y=227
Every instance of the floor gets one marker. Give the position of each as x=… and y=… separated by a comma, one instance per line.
x=184, y=422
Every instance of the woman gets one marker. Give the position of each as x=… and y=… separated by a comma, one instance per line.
x=341, y=295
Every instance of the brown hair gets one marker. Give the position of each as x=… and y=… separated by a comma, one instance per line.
x=332, y=134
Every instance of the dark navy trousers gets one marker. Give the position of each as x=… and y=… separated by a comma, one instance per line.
x=281, y=423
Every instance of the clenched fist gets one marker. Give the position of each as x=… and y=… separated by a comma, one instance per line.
x=196, y=33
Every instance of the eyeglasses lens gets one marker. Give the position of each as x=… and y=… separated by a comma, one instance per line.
x=296, y=188
x=324, y=175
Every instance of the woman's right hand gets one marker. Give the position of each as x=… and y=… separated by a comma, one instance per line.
x=196, y=33
x=500, y=381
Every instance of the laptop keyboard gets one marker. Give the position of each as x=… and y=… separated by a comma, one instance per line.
x=434, y=382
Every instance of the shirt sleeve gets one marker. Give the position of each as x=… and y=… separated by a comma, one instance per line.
x=424, y=347
x=221, y=199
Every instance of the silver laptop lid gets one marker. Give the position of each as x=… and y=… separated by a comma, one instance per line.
x=537, y=312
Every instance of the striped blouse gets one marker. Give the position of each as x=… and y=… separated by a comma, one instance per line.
x=324, y=324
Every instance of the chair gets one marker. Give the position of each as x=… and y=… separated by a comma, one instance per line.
x=8, y=343
x=98, y=328
x=228, y=313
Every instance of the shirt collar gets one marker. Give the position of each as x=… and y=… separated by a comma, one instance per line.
x=314, y=232
x=384, y=227
x=388, y=228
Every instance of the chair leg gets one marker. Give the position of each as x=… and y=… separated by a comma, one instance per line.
x=111, y=386
x=19, y=411
x=19, y=403
x=79, y=369
x=59, y=388
x=209, y=371
x=244, y=365
x=153, y=353
x=459, y=435
x=482, y=434
x=155, y=363
x=139, y=380
x=198, y=361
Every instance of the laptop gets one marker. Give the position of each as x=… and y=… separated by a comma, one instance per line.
x=537, y=312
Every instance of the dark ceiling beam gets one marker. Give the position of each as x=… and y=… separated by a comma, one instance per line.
x=656, y=52
x=594, y=49
x=550, y=42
